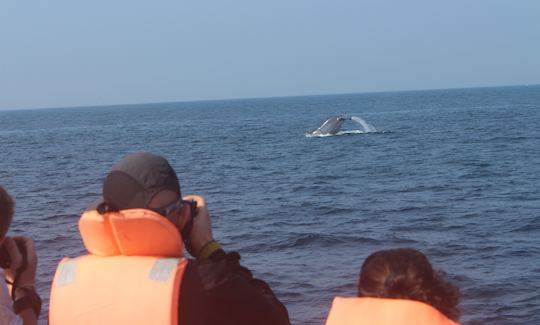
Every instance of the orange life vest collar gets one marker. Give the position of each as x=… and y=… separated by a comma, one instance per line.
x=380, y=311
x=132, y=232
x=132, y=275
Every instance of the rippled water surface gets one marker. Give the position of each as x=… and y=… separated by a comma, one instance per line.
x=454, y=173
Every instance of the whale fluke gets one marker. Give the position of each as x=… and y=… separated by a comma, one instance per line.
x=330, y=126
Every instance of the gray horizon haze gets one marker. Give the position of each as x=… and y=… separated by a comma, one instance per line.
x=64, y=53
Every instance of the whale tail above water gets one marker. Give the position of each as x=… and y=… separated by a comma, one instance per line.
x=330, y=126
x=333, y=125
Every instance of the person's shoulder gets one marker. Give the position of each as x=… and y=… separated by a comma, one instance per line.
x=5, y=299
x=7, y=316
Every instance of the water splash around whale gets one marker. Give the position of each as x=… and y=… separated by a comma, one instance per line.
x=367, y=128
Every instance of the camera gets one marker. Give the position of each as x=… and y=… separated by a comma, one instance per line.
x=5, y=259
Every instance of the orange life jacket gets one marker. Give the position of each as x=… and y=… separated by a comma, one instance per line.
x=132, y=274
x=380, y=311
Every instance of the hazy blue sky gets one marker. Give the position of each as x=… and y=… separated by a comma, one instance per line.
x=65, y=53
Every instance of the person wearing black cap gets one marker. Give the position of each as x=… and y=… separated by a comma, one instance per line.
x=214, y=289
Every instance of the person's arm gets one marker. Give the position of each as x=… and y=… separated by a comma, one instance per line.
x=237, y=293
x=27, y=302
x=228, y=289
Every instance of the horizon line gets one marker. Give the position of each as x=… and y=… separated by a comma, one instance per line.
x=263, y=97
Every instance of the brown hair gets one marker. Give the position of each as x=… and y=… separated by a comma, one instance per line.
x=406, y=273
x=6, y=211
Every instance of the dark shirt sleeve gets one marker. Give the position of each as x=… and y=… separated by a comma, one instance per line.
x=219, y=291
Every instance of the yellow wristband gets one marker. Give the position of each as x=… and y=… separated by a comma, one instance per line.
x=208, y=249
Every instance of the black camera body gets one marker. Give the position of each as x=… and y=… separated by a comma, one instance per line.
x=5, y=259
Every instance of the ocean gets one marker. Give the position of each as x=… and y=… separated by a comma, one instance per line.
x=453, y=173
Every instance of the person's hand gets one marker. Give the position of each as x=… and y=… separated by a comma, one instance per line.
x=26, y=281
x=28, y=276
x=15, y=257
x=201, y=233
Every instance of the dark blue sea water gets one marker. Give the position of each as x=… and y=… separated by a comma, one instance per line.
x=454, y=173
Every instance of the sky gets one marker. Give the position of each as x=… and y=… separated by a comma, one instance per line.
x=62, y=53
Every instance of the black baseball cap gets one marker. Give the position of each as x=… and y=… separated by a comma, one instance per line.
x=135, y=179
